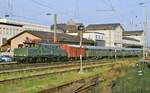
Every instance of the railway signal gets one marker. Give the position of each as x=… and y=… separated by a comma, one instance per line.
x=81, y=28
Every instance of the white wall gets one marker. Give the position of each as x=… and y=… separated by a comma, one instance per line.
x=140, y=38
x=94, y=36
x=131, y=42
x=27, y=25
x=113, y=38
x=7, y=31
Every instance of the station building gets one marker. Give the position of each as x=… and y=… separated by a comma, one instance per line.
x=98, y=37
x=10, y=28
x=42, y=37
x=107, y=35
x=133, y=39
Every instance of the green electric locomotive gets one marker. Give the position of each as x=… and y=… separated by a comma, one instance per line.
x=41, y=52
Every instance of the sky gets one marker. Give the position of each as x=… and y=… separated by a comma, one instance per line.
x=127, y=12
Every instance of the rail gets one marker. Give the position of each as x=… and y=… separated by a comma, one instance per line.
x=60, y=71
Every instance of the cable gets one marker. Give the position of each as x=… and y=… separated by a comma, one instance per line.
x=10, y=7
x=43, y=5
x=115, y=11
x=76, y=11
x=65, y=13
x=28, y=18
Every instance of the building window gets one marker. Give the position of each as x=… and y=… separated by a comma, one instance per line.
x=4, y=40
x=13, y=32
x=7, y=32
x=3, y=32
x=10, y=32
x=3, y=29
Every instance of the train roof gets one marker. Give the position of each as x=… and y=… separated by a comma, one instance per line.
x=105, y=48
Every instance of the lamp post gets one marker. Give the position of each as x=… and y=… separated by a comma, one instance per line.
x=81, y=29
x=55, y=25
x=145, y=30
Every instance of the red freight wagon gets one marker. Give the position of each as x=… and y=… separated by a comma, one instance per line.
x=73, y=51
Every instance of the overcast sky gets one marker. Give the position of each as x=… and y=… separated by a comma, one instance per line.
x=127, y=12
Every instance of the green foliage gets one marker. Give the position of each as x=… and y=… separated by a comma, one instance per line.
x=133, y=82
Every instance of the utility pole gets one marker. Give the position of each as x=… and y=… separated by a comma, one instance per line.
x=145, y=30
x=115, y=55
x=55, y=27
x=81, y=62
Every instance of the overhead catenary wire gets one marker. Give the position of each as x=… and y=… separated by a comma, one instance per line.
x=115, y=12
x=44, y=5
x=24, y=17
x=57, y=10
x=9, y=12
x=76, y=10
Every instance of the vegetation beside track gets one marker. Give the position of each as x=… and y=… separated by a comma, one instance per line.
x=16, y=66
x=18, y=74
x=48, y=70
x=33, y=85
x=117, y=70
x=137, y=80
x=125, y=79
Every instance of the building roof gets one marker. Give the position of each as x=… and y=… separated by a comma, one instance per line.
x=61, y=37
x=60, y=27
x=129, y=38
x=11, y=24
x=111, y=26
x=133, y=33
x=21, y=22
x=67, y=27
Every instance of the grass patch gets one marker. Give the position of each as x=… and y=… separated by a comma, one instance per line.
x=37, y=84
x=34, y=72
x=132, y=82
x=34, y=85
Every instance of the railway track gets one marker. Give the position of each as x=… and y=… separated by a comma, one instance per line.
x=14, y=65
x=47, y=66
x=5, y=63
x=32, y=74
x=29, y=71
x=17, y=66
